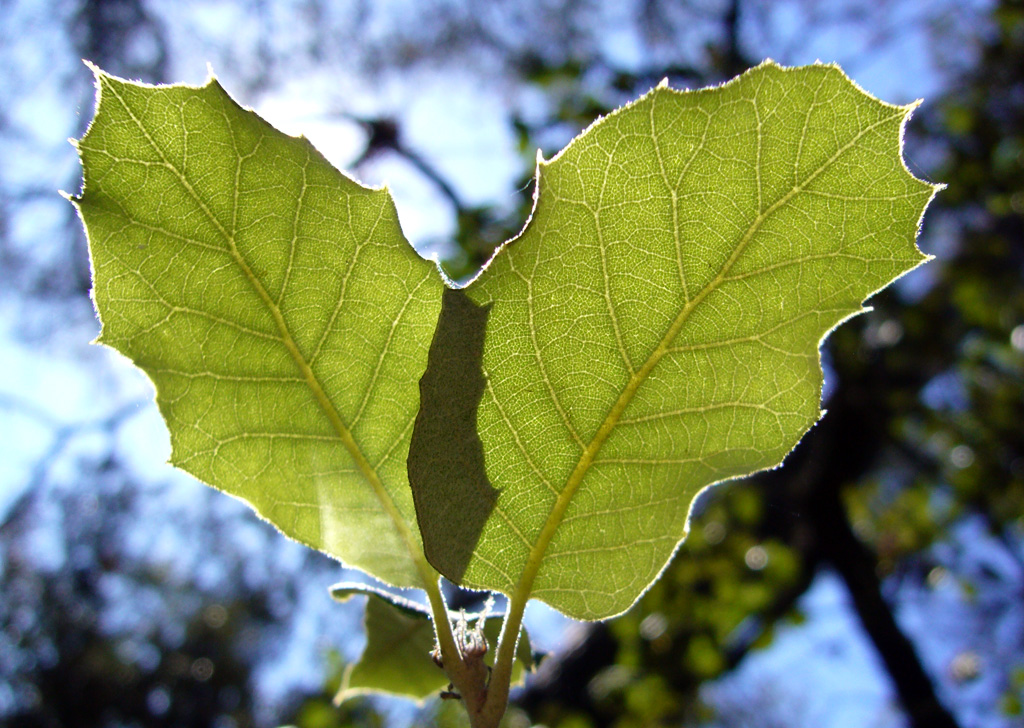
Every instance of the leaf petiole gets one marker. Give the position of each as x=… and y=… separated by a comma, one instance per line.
x=501, y=677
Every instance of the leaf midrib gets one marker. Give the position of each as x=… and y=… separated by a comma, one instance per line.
x=343, y=432
x=524, y=587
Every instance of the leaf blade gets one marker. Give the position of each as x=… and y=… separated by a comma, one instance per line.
x=276, y=307
x=658, y=320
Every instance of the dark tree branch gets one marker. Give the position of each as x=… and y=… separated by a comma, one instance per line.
x=734, y=61
x=383, y=135
x=858, y=568
x=842, y=449
x=564, y=679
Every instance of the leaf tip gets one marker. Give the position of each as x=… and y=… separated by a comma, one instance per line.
x=96, y=70
x=100, y=78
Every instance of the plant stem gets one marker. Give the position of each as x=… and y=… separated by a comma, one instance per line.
x=442, y=625
x=464, y=667
x=501, y=677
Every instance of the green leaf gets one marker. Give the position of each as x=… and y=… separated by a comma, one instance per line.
x=275, y=304
x=396, y=659
x=399, y=639
x=655, y=327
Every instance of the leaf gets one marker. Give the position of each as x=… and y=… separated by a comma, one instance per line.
x=282, y=316
x=396, y=659
x=399, y=639
x=655, y=327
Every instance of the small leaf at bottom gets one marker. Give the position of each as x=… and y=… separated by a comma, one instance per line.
x=399, y=639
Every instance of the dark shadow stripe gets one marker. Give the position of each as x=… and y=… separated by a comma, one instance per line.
x=450, y=488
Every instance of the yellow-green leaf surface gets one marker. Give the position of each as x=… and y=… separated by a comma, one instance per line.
x=655, y=328
x=276, y=306
x=399, y=640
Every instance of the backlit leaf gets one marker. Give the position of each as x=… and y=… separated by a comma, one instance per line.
x=275, y=304
x=655, y=327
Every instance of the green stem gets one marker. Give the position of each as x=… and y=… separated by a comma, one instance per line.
x=439, y=613
x=501, y=677
x=465, y=670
